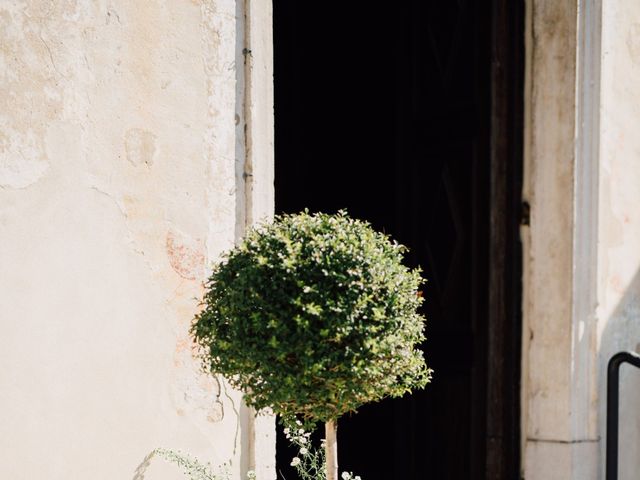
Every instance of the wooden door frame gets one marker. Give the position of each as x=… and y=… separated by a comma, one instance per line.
x=507, y=212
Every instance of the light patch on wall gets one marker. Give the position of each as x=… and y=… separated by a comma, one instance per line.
x=22, y=159
x=140, y=146
x=192, y=391
x=31, y=92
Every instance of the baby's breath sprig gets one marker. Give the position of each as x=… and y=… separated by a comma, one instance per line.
x=309, y=463
x=350, y=476
x=195, y=469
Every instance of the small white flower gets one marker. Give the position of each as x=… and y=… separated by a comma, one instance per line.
x=299, y=423
x=286, y=431
x=345, y=476
x=301, y=431
x=302, y=439
x=304, y=451
x=251, y=475
x=295, y=462
x=357, y=477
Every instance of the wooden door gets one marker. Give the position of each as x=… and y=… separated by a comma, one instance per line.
x=391, y=112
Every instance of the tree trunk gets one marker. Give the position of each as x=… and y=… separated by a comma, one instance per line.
x=331, y=449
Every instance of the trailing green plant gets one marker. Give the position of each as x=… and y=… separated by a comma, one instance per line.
x=309, y=462
x=314, y=315
x=194, y=469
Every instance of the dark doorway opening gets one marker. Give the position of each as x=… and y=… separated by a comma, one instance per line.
x=409, y=115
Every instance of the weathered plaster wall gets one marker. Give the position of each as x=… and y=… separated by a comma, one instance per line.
x=559, y=389
x=550, y=439
x=619, y=228
x=119, y=133
x=582, y=255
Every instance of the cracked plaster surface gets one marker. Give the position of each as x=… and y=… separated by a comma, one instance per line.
x=117, y=190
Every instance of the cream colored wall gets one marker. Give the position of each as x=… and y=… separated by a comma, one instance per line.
x=619, y=226
x=121, y=129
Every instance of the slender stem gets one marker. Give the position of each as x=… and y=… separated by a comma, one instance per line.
x=331, y=449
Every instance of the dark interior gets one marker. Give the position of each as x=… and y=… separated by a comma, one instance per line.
x=385, y=110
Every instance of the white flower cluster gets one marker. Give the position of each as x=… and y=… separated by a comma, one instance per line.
x=350, y=476
x=298, y=437
x=310, y=461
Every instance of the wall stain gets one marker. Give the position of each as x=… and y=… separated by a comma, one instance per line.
x=186, y=255
x=140, y=146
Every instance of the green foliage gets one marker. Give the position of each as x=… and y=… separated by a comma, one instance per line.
x=314, y=315
x=194, y=469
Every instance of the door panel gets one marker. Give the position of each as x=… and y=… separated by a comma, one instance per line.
x=386, y=111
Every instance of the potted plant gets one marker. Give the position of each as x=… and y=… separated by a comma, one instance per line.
x=314, y=315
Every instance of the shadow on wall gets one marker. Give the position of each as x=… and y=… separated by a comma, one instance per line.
x=622, y=332
x=142, y=468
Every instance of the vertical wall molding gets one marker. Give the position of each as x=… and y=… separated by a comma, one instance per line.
x=585, y=240
x=256, y=178
x=562, y=129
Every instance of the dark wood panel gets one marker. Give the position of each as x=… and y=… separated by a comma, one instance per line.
x=408, y=115
x=505, y=332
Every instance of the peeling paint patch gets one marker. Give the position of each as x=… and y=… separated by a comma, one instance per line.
x=186, y=255
x=195, y=393
x=31, y=90
x=140, y=146
x=22, y=159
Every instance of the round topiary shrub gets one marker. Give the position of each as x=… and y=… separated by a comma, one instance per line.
x=314, y=315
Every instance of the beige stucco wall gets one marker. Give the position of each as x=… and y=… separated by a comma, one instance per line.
x=619, y=225
x=121, y=180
